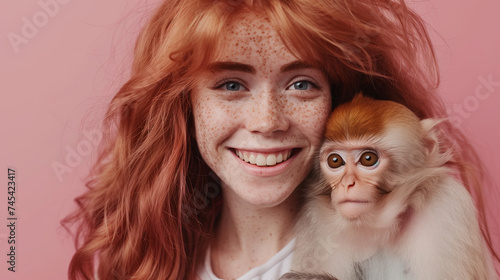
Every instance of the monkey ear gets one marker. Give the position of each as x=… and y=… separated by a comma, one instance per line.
x=439, y=151
x=431, y=134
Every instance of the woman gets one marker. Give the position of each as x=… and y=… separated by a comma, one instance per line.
x=218, y=124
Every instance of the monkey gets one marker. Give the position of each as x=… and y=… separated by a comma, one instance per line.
x=382, y=202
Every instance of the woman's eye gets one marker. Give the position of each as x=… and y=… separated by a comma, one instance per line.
x=232, y=86
x=229, y=85
x=369, y=159
x=301, y=85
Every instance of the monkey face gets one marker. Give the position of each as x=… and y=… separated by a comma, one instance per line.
x=354, y=174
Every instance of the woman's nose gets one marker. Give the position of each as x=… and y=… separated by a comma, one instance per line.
x=267, y=114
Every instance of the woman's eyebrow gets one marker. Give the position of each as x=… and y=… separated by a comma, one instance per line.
x=220, y=66
x=296, y=65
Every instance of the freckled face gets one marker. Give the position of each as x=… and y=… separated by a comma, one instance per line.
x=259, y=113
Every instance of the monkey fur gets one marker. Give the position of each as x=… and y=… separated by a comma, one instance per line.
x=382, y=203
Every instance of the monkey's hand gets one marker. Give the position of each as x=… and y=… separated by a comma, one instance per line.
x=306, y=276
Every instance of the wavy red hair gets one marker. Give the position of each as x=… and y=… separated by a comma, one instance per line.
x=151, y=206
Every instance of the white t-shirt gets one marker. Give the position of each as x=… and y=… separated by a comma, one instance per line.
x=273, y=269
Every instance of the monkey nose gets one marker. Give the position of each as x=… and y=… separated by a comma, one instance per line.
x=349, y=183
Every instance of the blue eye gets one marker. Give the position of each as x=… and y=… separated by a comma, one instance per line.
x=232, y=86
x=301, y=85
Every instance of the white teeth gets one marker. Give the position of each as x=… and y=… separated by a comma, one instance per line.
x=271, y=160
x=279, y=158
x=262, y=159
x=252, y=159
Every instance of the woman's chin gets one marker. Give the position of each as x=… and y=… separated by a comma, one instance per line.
x=266, y=198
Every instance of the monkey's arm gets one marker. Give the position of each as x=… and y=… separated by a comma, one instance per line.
x=445, y=240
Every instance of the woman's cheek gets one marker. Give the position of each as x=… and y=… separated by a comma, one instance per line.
x=213, y=123
x=312, y=117
x=321, y=113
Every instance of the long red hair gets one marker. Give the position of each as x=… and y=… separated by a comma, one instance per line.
x=151, y=202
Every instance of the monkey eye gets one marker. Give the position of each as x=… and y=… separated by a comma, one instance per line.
x=335, y=161
x=369, y=159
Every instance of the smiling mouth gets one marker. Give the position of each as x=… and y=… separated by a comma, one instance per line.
x=264, y=159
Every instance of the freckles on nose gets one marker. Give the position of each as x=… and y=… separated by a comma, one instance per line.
x=266, y=113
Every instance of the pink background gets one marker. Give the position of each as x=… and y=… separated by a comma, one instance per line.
x=57, y=83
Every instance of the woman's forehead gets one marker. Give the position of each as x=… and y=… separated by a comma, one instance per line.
x=251, y=38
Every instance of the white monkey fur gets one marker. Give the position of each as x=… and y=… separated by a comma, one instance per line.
x=424, y=228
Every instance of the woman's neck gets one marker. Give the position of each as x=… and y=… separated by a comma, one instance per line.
x=247, y=236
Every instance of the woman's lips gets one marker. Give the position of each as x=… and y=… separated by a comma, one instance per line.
x=262, y=158
x=258, y=164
